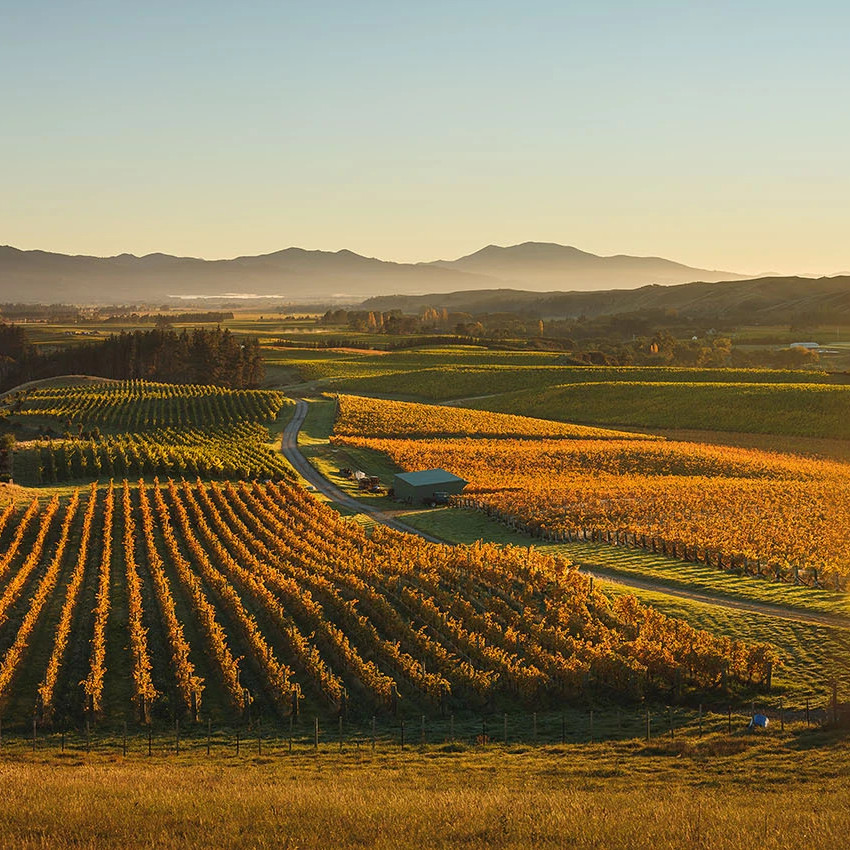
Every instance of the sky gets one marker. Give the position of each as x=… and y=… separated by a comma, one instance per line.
x=715, y=134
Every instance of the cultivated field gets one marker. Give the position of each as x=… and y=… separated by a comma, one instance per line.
x=168, y=586
x=791, y=409
x=98, y=431
x=719, y=502
x=206, y=575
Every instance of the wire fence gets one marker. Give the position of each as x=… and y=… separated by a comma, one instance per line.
x=306, y=733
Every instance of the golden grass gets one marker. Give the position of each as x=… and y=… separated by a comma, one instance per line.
x=724, y=793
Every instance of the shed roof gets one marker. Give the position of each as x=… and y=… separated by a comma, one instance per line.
x=430, y=477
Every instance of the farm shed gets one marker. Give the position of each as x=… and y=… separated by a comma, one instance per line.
x=422, y=486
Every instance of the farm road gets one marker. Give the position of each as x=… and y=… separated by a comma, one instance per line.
x=291, y=451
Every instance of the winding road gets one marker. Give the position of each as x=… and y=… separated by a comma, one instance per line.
x=291, y=451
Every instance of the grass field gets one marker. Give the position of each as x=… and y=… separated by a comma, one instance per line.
x=800, y=410
x=725, y=793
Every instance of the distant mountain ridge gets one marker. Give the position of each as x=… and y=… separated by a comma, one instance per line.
x=761, y=300
x=546, y=264
x=296, y=274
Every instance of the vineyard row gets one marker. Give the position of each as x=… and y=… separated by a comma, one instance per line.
x=262, y=594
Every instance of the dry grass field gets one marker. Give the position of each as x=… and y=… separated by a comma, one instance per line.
x=723, y=793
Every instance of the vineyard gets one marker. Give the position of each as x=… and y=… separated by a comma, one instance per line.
x=237, y=451
x=779, y=515
x=134, y=600
x=143, y=405
x=368, y=417
x=139, y=428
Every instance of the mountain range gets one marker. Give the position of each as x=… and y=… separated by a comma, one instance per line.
x=299, y=275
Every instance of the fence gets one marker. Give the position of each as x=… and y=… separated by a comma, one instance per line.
x=597, y=725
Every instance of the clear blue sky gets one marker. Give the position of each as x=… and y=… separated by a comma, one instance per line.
x=714, y=133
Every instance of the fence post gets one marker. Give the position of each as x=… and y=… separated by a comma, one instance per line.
x=209, y=734
x=423, y=730
x=340, y=733
x=452, y=727
x=123, y=740
x=505, y=724
x=648, y=729
x=373, y=733
x=237, y=742
x=483, y=731
x=534, y=721
x=150, y=737
x=670, y=719
x=88, y=737
x=177, y=734
x=402, y=734
x=315, y=733
x=33, y=732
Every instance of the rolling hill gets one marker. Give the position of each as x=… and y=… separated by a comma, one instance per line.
x=761, y=300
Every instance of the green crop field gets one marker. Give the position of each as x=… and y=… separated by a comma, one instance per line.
x=439, y=383
x=792, y=409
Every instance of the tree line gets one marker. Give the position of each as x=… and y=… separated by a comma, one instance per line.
x=200, y=356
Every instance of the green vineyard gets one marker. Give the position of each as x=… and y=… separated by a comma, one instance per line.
x=129, y=429
x=143, y=405
x=238, y=451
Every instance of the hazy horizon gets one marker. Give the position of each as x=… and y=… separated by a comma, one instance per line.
x=712, y=136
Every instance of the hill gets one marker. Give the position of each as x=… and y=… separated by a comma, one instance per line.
x=315, y=276
x=767, y=299
x=541, y=265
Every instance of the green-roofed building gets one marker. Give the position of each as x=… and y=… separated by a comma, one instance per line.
x=429, y=485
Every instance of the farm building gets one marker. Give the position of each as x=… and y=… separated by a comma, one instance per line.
x=424, y=486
